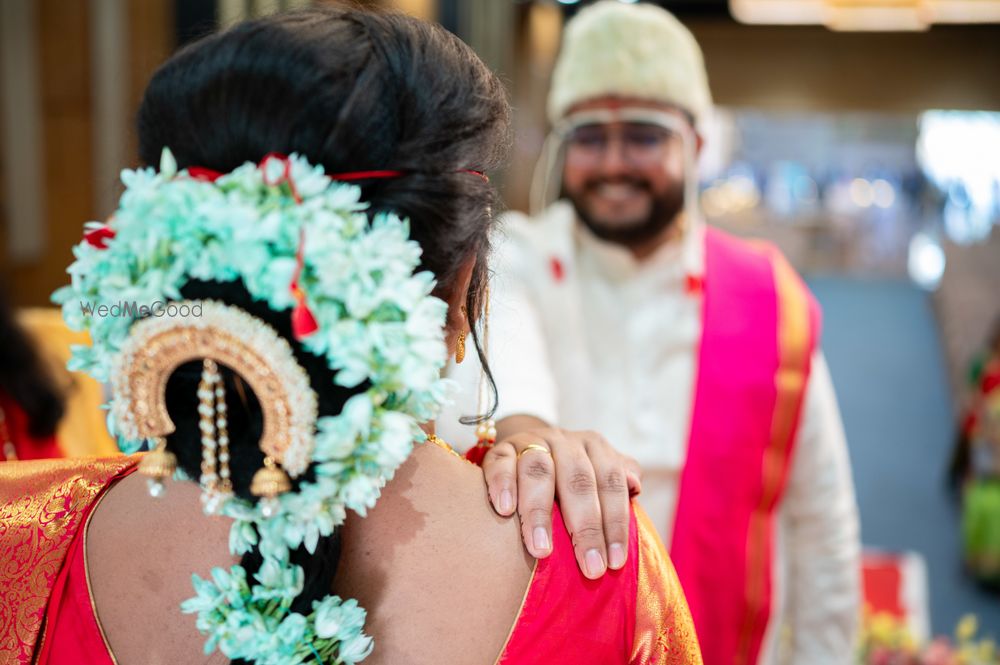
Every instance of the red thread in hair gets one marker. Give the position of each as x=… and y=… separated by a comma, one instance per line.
x=286, y=173
x=98, y=237
x=482, y=175
x=351, y=176
x=367, y=175
x=211, y=175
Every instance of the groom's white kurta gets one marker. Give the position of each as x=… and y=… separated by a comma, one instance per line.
x=621, y=359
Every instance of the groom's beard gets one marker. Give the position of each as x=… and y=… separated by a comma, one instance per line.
x=638, y=230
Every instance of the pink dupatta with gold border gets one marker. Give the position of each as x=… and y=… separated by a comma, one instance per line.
x=760, y=327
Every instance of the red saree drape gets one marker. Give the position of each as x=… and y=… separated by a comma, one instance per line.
x=44, y=599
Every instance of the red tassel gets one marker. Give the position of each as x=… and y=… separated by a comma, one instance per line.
x=477, y=453
x=303, y=321
x=98, y=237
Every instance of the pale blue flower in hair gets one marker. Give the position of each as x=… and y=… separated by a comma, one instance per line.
x=233, y=584
x=338, y=618
x=346, y=197
x=355, y=649
x=336, y=438
x=360, y=493
x=357, y=413
x=138, y=183
x=309, y=180
x=273, y=542
x=312, y=514
x=274, y=278
x=328, y=613
x=396, y=439
x=241, y=633
x=83, y=358
x=168, y=164
x=291, y=634
x=352, y=618
x=352, y=355
x=208, y=597
x=278, y=581
x=249, y=261
x=242, y=537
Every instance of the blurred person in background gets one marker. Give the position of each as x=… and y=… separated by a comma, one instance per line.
x=616, y=309
x=31, y=404
x=976, y=466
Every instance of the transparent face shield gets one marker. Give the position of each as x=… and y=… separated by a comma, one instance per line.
x=547, y=177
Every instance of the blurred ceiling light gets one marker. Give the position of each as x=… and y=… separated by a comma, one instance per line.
x=568, y=2
x=875, y=15
x=882, y=15
x=883, y=193
x=862, y=193
x=925, y=261
x=965, y=11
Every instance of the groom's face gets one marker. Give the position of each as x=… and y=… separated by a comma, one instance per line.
x=625, y=178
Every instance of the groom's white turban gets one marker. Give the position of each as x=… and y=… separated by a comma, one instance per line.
x=640, y=51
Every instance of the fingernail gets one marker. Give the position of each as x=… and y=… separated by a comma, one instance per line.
x=616, y=556
x=506, y=502
x=541, y=539
x=595, y=564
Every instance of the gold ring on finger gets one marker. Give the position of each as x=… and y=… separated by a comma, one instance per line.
x=534, y=446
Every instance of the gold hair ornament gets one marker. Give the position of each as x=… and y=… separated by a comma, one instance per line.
x=226, y=335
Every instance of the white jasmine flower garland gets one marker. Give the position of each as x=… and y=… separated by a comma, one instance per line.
x=377, y=323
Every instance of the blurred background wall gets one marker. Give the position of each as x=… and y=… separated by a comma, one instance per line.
x=802, y=106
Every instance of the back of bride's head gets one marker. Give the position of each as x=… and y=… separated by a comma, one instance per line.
x=351, y=90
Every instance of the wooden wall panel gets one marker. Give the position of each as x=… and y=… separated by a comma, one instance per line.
x=812, y=68
x=67, y=110
x=152, y=34
x=64, y=68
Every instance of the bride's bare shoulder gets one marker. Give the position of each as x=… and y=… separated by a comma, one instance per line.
x=140, y=554
x=442, y=576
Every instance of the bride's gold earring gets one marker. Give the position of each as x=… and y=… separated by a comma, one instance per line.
x=486, y=432
x=460, y=346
